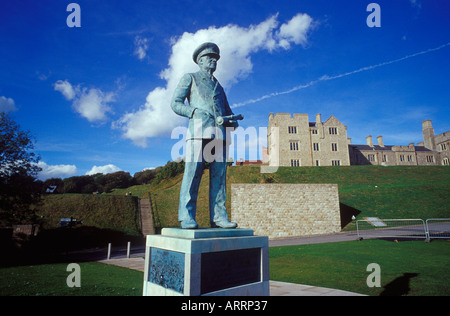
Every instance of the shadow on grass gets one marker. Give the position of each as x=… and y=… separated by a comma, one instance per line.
x=399, y=286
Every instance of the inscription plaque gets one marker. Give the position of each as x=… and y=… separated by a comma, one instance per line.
x=226, y=269
x=167, y=269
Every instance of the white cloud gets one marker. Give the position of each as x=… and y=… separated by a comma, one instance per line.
x=56, y=171
x=92, y=103
x=103, y=169
x=140, y=47
x=295, y=31
x=65, y=88
x=7, y=105
x=156, y=118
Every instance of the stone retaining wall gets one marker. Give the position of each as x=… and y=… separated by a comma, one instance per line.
x=286, y=210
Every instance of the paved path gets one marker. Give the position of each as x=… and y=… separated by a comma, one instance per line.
x=145, y=209
x=291, y=289
x=319, y=239
x=139, y=251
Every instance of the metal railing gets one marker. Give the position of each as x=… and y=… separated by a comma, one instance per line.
x=438, y=228
x=391, y=228
x=403, y=228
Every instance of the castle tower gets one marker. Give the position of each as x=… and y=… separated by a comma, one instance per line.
x=428, y=135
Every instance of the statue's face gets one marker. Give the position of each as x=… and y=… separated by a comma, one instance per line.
x=208, y=62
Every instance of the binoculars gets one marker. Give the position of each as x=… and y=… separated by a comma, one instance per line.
x=220, y=120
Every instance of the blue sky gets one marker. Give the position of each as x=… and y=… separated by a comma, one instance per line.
x=97, y=97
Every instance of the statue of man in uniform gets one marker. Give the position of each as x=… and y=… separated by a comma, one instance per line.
x=210, y=117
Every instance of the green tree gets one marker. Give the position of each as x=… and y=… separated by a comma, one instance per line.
x=117, y=180
x=99, y=179
x=19, y=189
x=170, y=170
x=145, y=176
x=80, y=184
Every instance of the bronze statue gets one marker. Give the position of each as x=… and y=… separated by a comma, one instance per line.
x=210, y=118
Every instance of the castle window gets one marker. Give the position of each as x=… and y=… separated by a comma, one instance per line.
x=292, y=129
x=384, y=158
x=430, y=159
x=335, y=162
x=293, y=145
x=333, y=147
x=371, y=157
x=295, y=163
x=446, y=162
x=333, y=130
x=316, y=146
x=314, y=131
x=410, y=158
x=317, y=163
x=443, y=147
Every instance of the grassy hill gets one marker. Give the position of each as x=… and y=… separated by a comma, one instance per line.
x=385, y=192
x=106, y=219
x=107, y=212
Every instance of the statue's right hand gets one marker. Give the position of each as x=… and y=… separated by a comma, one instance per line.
x=198, y=113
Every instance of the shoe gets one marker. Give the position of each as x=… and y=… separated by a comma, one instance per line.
x=223, y=224
x=189, y=224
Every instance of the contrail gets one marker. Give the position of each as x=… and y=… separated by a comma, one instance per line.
x=326, y=77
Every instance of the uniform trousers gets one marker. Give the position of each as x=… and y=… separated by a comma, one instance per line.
x=199, y=151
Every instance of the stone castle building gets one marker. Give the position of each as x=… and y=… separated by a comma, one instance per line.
x=293, y=141
x=440, y=143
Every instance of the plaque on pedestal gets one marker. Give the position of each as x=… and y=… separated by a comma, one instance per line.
x=217, y=261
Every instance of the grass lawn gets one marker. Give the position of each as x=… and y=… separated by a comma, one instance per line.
x=97, y=279
x=411, y=268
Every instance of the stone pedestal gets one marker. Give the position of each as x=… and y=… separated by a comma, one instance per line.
x=229, y=262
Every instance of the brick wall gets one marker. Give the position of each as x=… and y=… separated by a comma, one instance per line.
x=286, y=210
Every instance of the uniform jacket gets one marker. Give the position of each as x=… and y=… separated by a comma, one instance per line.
x=209, y=97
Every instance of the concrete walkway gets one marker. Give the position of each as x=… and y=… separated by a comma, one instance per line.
x=291, y=289
x=317, y=239
x=276, y=288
